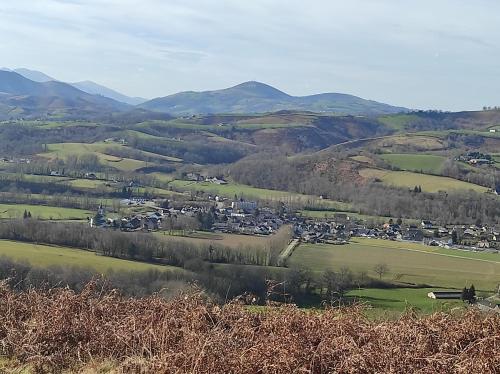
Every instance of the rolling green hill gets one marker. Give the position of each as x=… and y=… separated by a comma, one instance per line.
x=429, y=183
x=416, y=162
x=255, y=97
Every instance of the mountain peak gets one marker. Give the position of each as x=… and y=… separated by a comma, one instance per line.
x=34, y=75
x=260, y=89
x=257, y=97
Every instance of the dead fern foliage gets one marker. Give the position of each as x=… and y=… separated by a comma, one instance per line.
x=60, y=330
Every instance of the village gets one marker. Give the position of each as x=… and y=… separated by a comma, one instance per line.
x=245, y=217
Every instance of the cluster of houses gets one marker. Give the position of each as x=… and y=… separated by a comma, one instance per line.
x=197, y=177
x=476, y=158
x=339, y=231
x=12, y=160
x=312, y=231
x=244, y=217
x=240, y=216
x=116, y=140
x=150, y=221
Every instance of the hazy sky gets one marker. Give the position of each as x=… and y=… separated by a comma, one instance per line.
x=420, y=54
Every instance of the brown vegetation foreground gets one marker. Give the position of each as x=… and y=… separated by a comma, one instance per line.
x=61, y=330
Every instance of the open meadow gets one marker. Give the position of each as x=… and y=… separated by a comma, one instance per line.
x=101, y=150
x=429, y=183
x=389, y=301
x=223, y=239
x=415, y=162
x=407, y=263
x=45, y=256
x=43, y=212
x=231, y=189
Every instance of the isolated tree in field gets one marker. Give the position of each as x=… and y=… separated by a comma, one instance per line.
x=381, y=269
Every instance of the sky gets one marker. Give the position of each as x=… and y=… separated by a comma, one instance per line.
x=422, y=54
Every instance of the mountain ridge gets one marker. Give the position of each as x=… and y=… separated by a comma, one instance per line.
x=22, y=96
x=257, y=97
x=87, y=86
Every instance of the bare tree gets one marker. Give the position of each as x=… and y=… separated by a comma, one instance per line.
x=381, y=269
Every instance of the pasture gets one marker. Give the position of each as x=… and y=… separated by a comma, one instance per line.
x=63, y=150
x=400, y=299
x=417, y=142
x=398, y=121
x=231, y=189
x=43, y=212
x=429, y=183
x=363, y=159
x=415, y=162
x=223, y=239
x=45, y=256
x=407, y=262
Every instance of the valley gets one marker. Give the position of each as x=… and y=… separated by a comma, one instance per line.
x=212, y=194
x=265, y=187
x=299, y=168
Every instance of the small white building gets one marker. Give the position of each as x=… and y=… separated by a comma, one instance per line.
x=247, y=206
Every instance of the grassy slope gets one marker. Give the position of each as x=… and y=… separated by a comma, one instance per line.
x=417, y=264
x=42, y=212
x=63, y=150
x=398, y=121
x=229, y=240
x=399, y=299
x=416, y=162
x=429, y=183
x=232, y=189
x=44, y=256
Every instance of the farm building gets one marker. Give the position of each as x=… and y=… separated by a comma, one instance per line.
x=450, y=295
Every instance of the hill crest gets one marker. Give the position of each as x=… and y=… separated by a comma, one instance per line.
x=257, y=97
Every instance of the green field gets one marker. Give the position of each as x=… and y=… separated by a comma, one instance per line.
x=43, y=212
x=415, y=162
x=407, y=262
x=231, y=189
x=398, y=121
x=63, y=150
x=45, y=255
x=399, y=299
x=429, y=183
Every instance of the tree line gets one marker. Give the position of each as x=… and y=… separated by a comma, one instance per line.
x=136, y=246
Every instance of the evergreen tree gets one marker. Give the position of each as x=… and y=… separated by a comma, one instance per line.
x=472, y=294
x=465, y=294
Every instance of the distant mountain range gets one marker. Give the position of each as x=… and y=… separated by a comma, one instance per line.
x=25, y=92
x=256, y=97
x=21, y=97
x=85, y=86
